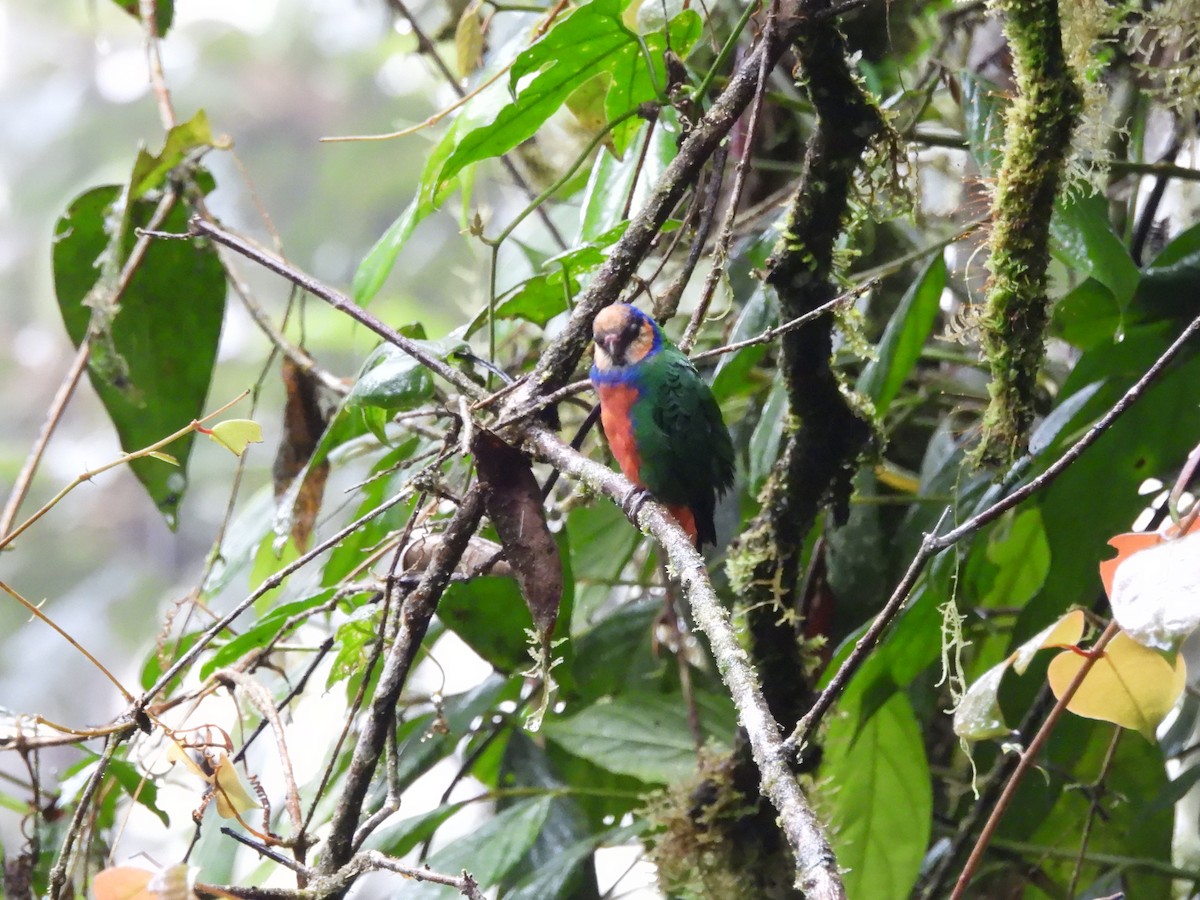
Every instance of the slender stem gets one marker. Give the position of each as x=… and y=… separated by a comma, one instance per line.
x=38, y=614
x=268, y=584
x=337, y=300
x=54, y=415
x=720, y=253
x=1028, y=758
x=120, y=460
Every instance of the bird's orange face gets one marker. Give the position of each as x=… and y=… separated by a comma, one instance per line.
x=624, y=336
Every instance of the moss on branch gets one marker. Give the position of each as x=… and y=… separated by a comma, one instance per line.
x=1037, y=138
x=827, y=434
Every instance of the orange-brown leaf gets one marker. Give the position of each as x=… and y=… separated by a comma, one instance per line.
x=303, y=425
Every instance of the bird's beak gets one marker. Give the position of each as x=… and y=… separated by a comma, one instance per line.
x=608, y=344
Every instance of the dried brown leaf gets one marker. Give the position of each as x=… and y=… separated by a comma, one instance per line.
x=303, y=425
x=513, y=501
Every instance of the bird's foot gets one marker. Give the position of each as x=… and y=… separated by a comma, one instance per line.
x=635, y=497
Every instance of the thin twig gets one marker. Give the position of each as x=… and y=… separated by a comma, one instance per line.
x=934, y=544
x=124, y=458
x=1029, y=757
x=720, y=254
x=148, y=9
x=416, y=613
x=53, y=416
x=337, y=300
x=63, y=864
x=268, y=584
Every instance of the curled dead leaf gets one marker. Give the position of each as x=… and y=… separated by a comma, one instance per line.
x=418, y=553
x=303, y=424
x=513, y=500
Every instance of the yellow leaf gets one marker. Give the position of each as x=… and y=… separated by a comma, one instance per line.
x=1067, y=630
x=235, y=434
x=232, y=797
x=468, y=38
x=177, y=753
x=1130, y=685
x=165, y=457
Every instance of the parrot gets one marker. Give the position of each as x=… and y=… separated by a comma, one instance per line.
x=660, y=418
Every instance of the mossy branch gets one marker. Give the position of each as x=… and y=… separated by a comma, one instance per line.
x=1037, y=138
x=825, y=434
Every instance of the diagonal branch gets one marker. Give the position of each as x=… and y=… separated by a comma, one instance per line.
x=816, y=868
x=336, y=299
x=559, y=359
x=934, y=543
x=415, y=614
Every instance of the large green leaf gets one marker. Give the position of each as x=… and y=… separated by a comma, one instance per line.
x=373, y=271
x=154, y=346
x=1082, y=237
x=489, y=853
x=643, y=735
x=546, y=868
x=593, y=40
x=905, y=336
x=883, y=804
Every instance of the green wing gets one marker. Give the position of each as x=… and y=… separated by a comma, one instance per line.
x=690, y=456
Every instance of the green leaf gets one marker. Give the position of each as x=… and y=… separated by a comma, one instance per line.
x=488, y=853
x=765, y=440
x=643, y=735
x=164, y=13
x=354, y=640
x=613, y=182
x=150, y=170
x=1170, y=282
x=154, y=346
x=1021, y=555
x=373, y=271
x=493, y=619
x=138, y=786
x=401, y=836
x=626, y=634
x=905, y=336
x=490, y=615
x=983, y=104
x=419, y=747
x=1082, y=237
x=391, y=380
x=1088, y=315
x=591, y=41
x=602, y=543
x=261, y=633
x=882, y=808
x=555, y=859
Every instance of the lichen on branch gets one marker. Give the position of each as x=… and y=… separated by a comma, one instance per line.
x=1037, y=138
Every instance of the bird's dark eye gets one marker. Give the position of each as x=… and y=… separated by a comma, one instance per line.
x=632, y=329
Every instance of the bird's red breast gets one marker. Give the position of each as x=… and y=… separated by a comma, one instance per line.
x=616, y=416
x=616, y=407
